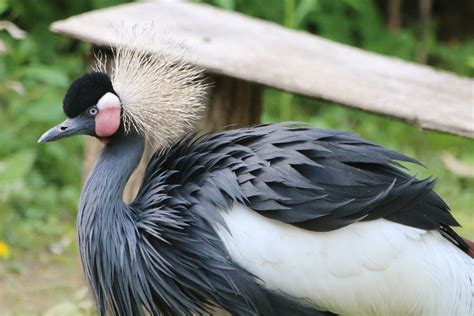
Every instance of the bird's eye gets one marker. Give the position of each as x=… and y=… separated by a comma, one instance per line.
x=92, y=111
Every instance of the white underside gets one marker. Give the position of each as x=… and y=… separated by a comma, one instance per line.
x=370, y=268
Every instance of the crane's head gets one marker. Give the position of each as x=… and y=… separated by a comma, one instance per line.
x=157, y=95
x=93, y=108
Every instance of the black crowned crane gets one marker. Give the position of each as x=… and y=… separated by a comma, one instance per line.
x=277, y=219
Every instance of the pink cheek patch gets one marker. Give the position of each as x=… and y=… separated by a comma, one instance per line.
x=107, y=122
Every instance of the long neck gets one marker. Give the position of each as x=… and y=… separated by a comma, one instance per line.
x=105, y=225
x=103, y=191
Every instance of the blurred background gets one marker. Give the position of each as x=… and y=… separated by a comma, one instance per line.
x=40, y=272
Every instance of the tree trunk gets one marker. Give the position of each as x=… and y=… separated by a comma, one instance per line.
x=393, y=15
x=423, y=42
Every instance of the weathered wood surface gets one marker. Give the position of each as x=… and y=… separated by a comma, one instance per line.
x=258, y=51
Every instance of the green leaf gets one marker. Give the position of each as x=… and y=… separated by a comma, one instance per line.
x=304, y=8
x=3, y=6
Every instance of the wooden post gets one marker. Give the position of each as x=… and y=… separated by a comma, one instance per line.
x=232, y=103
x=393, y=15
x=425, y=7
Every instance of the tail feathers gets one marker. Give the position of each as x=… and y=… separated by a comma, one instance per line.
x=283, y=305
x=470, y=247
x=462, y=243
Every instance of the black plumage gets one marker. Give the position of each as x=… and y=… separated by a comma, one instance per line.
x=315, y=179
x=85, y=91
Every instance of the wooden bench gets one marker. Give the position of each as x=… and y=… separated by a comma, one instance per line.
x=243, y=54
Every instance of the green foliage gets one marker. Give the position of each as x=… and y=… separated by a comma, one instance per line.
x=39, y=185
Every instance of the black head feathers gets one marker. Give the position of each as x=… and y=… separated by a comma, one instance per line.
x=85, y=92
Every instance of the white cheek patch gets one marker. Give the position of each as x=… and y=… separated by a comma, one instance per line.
x=108, y=101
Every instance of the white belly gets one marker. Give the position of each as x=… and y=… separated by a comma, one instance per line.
x=370, y=268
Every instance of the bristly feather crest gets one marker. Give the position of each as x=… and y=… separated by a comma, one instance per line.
x=162, y=94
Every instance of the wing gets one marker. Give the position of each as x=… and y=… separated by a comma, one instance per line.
x=315, y=179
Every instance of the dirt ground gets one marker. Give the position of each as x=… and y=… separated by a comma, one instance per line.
x=48, y=285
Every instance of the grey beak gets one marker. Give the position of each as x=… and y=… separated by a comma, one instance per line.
x=74, y=126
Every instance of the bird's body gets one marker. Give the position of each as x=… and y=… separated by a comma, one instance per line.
x=219, y=210
x=161, y=245
x=276, y=219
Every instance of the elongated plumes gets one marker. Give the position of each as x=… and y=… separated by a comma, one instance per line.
x=161, y=93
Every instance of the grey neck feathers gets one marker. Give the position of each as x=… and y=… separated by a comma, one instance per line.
x=104, y=187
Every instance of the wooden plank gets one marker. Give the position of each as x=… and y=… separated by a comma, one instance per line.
x=238, y=46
